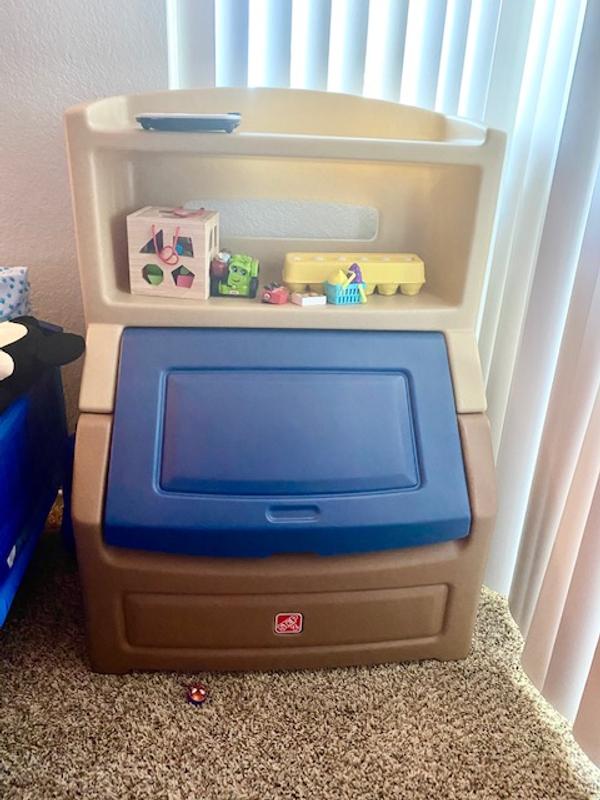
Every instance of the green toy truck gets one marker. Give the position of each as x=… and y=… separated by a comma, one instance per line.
x=240, y=278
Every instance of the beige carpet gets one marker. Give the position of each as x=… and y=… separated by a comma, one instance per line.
x=474, y=729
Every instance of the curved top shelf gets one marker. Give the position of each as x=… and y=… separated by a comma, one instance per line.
x=272, y=115
x=432, y=180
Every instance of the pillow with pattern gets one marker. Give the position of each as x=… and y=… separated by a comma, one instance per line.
x=14, y=293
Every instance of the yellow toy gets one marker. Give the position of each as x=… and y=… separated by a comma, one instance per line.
x=339, y=278
x=386, y=271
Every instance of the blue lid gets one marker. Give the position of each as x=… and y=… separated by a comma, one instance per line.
x=253, y=442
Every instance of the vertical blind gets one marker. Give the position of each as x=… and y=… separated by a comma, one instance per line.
x=530, y=68
x=432, y=53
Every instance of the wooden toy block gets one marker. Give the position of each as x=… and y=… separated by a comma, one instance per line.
x=308, y=299
x=170, y=250
x=386, y=271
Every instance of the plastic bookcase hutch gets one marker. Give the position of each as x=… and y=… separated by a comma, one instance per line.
x=235, y=460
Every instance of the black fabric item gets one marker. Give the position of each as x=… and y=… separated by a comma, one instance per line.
x=41, y=348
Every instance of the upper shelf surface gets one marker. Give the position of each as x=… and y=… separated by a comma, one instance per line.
x=278, y=113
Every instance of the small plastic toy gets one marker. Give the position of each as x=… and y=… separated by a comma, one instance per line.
x=218, y=266
x=355, y=277
x=355, y=270
x=339, y=278
x=197, y=694
x=385, y=271
x=343, y=288
x=308, y=298
x=341, y=295
x=240, y=280
x=275, y=294
x=197, y=123
x=183, y=277
x=153, y=274
x=170, y=251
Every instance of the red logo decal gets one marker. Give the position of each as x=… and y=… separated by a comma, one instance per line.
x=289, y=623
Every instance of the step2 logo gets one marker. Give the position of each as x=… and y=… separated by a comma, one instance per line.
x=288, y=622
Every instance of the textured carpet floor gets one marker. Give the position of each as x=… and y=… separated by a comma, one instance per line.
x=474, y=729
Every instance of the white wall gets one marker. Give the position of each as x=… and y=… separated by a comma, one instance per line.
x=54, y=54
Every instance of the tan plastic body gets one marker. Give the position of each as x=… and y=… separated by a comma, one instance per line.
x=434, y=182
x=154, y=611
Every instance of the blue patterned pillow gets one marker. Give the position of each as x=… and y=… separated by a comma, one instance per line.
x=14, y=293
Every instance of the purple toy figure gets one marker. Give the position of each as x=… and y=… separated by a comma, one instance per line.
x=356, y=271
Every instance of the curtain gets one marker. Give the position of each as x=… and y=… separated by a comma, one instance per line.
x=531, y=68
x=546, y=550
x=555, y=595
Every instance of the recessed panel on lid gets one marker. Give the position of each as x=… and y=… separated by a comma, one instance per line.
x=286, y=432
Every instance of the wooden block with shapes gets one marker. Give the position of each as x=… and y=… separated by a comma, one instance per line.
x=170, y=250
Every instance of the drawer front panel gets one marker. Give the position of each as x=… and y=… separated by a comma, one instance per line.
x=249, y=621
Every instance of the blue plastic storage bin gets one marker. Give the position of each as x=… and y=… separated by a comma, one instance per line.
x=255, y=442
x=32, y=437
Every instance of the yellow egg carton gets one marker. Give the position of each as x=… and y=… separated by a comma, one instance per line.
x=385, y=271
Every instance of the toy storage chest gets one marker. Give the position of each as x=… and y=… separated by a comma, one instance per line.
x=275, y=486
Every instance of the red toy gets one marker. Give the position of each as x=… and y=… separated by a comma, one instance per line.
x=276, y=294
x=197, y=694
x=218, y=266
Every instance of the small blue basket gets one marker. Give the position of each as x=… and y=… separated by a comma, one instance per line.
x=343, y=297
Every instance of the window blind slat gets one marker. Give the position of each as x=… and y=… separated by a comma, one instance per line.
x=231, y=24
x=512, y=40
x=385, y=49
x=310, y=44
x=269, y=42
x=191, y=32
x=453, y=55
x=575, y=643
x=479, y=55
x=347, y=45
x=426, y=20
